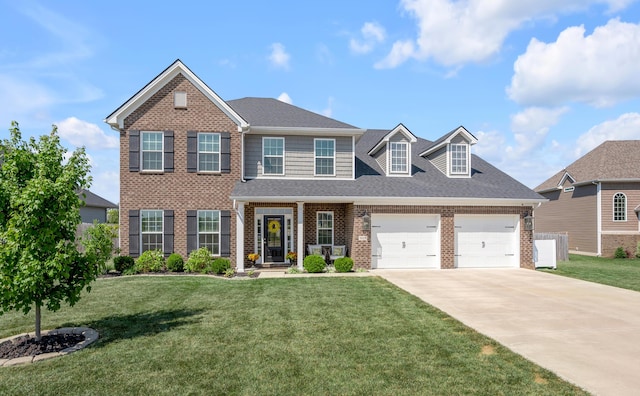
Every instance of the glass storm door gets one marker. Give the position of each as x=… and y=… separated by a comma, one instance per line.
x=274, y=238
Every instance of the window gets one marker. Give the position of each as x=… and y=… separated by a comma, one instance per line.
x=273, y=156
x=619, y=207
x=459, y=159
x=325, y=228
x=398, y=157
x=208, y=152
x=151, y=229
x=325, y=150
x=209, y=230
x=152, y=151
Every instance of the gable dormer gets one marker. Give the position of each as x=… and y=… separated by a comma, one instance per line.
x=451, y=154
x=393, y=151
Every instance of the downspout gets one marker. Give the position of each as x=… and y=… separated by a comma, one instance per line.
x=599, y=216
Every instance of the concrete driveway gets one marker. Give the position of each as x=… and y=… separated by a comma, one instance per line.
x=589, y=334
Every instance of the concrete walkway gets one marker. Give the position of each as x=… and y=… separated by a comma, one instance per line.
x=589, y=334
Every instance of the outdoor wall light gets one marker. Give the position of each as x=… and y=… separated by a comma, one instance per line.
x=528, y=222
x=366, y=221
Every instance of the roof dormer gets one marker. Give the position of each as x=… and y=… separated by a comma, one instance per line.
x=451, y=154
x=393, y=151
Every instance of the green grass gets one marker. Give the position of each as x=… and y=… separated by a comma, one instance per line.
x=199, y=335
x=623, y=273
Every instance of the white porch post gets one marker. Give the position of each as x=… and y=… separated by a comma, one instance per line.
x=300, y=228
x=240, y=237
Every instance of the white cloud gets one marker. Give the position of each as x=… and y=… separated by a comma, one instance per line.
x=284, y=97
x=625, y=127
x=531, y=126
x=453, y=33
x=82, y=133
x=106, y=185
x=600, y=69
x=372, y=34
x=279, y=57
x=328, y=111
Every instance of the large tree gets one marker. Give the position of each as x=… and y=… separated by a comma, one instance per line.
x=40, y=264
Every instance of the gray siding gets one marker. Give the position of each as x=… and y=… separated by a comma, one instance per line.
x=459, y=139
x=399, y=137
x=381, y=158
x=299, y=157
x=439, y=159
x=89, y=214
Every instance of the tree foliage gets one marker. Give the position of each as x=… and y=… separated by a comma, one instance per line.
x=40, y=264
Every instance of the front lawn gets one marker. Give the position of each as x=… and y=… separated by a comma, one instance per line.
x=624, y=273
x=200, y=335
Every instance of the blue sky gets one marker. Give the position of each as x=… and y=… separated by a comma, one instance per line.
x=538, y=82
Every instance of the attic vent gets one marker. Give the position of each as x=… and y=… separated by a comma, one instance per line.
x=180, y=100
x=569, y=189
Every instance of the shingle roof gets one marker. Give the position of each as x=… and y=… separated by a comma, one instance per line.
x=268, y=112
x=94, y=200
x=426, y=181
x=612, y=160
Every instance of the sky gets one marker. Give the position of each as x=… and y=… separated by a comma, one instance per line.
x=538, y=82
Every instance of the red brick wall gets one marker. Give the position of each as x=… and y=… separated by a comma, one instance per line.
x=179, y=191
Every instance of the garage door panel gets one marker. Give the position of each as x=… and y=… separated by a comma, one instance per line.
x=405, y=241
x=487, y=241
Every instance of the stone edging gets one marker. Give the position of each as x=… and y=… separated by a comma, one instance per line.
x=90, y=336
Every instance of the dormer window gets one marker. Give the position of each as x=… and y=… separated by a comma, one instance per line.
x=459, y=163
x=398, y=155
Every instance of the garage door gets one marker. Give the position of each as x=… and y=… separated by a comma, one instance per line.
x=405, y=241
x=487, y=241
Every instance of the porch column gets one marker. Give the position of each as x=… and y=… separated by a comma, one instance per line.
x=300, y=239
x=240, y=237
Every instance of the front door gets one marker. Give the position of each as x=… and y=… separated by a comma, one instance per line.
x=274, y=239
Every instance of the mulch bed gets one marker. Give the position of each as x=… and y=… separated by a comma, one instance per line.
x=28, y=346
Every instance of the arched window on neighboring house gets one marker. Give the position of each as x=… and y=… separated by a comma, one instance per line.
x=619, y=207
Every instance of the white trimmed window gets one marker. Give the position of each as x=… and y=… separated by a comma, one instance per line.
x=151, y=229
x=619, y=207
x=459, y=159
x=399, y=157
x=208, y=152
x=209, y=230
x=152, y=151
x=325, y=228
x=272, y=156
x=325, y=157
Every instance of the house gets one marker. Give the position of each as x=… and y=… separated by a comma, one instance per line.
x=257, y=175
x=596, y=200
x=95, y=207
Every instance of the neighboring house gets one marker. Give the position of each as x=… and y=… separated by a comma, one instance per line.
x=259, y=175
x=95, y=207
x=595, y=200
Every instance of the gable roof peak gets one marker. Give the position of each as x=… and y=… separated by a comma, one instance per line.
x=400, y=128
x=448, y=137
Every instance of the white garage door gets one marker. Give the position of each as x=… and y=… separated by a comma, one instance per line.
x=405, y=241
x=487, y=241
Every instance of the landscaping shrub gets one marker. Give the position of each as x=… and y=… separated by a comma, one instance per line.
x=229, y=272
x=638, y=250
x=199, y=260
x=150, y=261
x=314, y=264
x=175, y=263
x=620, y=253
x=220, y=265
x=123, y=263
x=343, y=264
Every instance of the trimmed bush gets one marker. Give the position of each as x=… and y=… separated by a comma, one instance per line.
x=314, y=264
x=343, y=264
x=220, y=265
x=175, y=263
x=150, y=261
x=123, y=263
x=620, y=253
x=199, y=260
x=638, y=250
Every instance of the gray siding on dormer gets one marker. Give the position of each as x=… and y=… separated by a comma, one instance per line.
x=459, y=139
x=298, y=157
x=399, y=137
x=381, y=158
x=439, y=159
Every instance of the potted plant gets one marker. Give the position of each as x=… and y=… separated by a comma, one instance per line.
x=253, y=257
x=292, y=256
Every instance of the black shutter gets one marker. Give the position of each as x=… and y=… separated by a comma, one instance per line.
x=192, y=151
x=168, y=232
x=134, y=151
x=225, y=233
x=168, y=151
x=192, y=230
x=225, y=152
x=134, y=233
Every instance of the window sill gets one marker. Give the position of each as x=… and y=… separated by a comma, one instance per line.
x=151, y=172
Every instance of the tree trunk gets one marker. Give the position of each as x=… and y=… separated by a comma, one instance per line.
x=38, y=335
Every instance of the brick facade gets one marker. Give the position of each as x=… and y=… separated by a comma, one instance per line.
x=178, y=191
